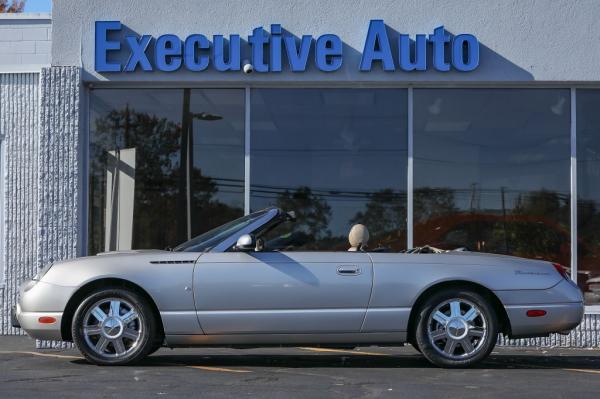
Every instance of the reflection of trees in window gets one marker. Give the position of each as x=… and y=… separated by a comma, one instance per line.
x=312, y=212
x=385, y=211
x=385, y=217
x=157, y=143
x=310, y=230
x=207, y=211
x=157, y=176
x=588, y=217
x=537, y=231
x=589, y=225
x=546, y=204
x=433, y=202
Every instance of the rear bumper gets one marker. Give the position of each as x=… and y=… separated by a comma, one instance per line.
x=559, y=318
x=563, y=304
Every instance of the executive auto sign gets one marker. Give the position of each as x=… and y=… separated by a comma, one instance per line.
x=390, y=52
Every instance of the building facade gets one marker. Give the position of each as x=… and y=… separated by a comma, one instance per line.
x=453, y=124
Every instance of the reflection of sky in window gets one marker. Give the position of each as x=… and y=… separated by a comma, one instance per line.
x=342, y=143
x=219, y=144
x=476, y=141
x=588, y=145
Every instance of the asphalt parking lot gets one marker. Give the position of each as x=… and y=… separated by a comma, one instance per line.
x=296, y=373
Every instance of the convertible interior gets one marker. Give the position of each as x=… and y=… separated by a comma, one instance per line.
x=283, y=235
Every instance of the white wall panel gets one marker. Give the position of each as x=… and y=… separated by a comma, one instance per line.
x=19, y=116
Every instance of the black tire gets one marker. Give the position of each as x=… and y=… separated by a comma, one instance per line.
x=413, y=343
x=145, y=325
x=157, y=345
x=436, y=348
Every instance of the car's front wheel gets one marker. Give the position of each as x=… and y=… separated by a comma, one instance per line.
x=114, y=326
x=456, y=328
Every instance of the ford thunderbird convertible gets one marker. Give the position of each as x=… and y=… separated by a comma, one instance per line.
x=241, y=285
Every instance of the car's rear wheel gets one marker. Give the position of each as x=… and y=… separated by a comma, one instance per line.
x=114, y=326
x=456, y=328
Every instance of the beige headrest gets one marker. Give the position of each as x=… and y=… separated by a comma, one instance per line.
x=358, y=237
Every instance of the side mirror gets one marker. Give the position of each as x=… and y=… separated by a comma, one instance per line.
x=246, y=242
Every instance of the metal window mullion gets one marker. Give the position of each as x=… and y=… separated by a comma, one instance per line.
x=574, y=184
x=247, y=152
x=409, y=174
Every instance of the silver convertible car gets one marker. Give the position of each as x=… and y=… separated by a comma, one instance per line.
x=234, y=286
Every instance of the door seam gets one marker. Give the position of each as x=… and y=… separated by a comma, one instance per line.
x=362, y=326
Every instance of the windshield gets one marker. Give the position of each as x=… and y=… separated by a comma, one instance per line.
x=208, y=240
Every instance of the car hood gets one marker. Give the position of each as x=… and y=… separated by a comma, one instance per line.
x=136, y=265
x=132, y=251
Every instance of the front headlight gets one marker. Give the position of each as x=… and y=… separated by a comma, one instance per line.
x=42, y=272
x=27, y=285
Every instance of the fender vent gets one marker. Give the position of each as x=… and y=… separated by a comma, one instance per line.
x=171, y=262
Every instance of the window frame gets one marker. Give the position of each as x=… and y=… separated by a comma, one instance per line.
x=3, y=269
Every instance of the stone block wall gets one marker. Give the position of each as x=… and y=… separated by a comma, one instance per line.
x=25, y=42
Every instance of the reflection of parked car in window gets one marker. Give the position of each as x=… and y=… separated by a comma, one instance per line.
x=227, y=288
x=526, y=236
x=592, y=293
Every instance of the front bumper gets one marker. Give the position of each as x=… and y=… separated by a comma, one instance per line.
x=40, y=299
x=13, y=318
x=30, y=322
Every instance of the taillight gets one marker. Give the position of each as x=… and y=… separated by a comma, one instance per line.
x=561, y=270
x=536, y=313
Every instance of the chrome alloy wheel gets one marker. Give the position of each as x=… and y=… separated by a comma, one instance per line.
x=112, y=327
x=457, y=328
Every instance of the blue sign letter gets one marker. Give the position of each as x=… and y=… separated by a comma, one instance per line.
x=275, y=47
x=257, y=40
x=377, y=38
x=191, y=43
x=439, y=40
x=472, y=49
x=328, y=53
x=103, y=46
x=138, y=53
x=420, y=53
x=233, y=59
x=167, y=53
x=297, y=58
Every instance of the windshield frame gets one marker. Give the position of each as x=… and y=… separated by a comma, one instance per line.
x=262, y=217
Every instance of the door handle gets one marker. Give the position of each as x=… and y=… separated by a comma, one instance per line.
x=348, y=270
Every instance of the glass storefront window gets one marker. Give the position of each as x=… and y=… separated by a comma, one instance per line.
x=336, y=157
x=491, y=171
x=588, y=193
x=164, y=165
x=491, y=168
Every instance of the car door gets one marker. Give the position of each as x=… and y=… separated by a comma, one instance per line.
x=282, y=292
